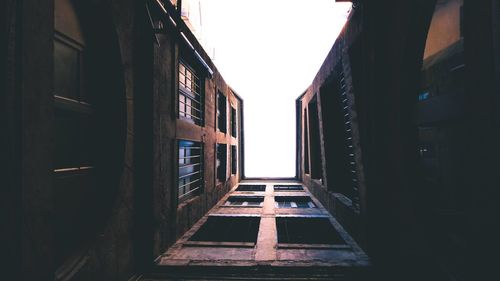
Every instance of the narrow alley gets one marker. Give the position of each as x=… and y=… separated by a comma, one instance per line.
x=130, y=152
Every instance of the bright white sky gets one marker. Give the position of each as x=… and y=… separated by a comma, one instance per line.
x=269, y=51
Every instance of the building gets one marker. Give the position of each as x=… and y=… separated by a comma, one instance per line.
x=137, y=134
x=123, y=149
x=192, y=13
x=394, y=132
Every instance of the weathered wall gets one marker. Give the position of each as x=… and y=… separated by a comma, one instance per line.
x=108, y=256
x=142, y=216
x=326, y=190
x=174, y=218
x=398, y=220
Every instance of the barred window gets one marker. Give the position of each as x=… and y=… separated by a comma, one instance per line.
x=190, y=95
x=245, y=201
x=290, y=187
x=190, y=169
x=294, y=202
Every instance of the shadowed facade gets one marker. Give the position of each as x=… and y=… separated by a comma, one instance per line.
x=123, y=147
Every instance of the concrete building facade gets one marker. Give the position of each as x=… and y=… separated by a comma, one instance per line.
x=115, y=118
x=122, y=148
x=391, y=132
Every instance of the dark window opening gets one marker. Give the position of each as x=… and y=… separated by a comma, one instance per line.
x=339, y=151
x=221, y=162
x=75, y=132
x=296, y=230
x=221, y=112
x=73, y=113
x=251, y=187
x=287, y=187
x=298, y=141
x=190, y=181
x=234, y=160
x=68, y=64
x=316, y=169
x=190, y=95
x=228, y=229
x=244, y=201
x=306, y=143
x=294, y=202
x=233, y=122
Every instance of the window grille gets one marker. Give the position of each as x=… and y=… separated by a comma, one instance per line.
x=244, y=201
x=294, y=202
x=190, y=95
x=352, y=193
x=190, y=169
x=288, y=187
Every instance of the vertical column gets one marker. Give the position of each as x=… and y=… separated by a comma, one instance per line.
x=267, y=240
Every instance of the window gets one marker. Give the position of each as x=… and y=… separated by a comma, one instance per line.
x=294, y=202
x=75, y=131
x=190, y=95
x=221, y=112
x=233, y=122
x=234, y=160
x=251, y=187
x=245, y=201
x=73, y=111
x=288, y=187
x=221, y=162
x=190, y=169
x=423, y=96
x=228, y=229
x=339, y=155
x=297, y=230
x=306, y=143
x=315, y=153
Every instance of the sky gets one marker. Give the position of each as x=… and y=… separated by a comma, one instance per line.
x=269, y=51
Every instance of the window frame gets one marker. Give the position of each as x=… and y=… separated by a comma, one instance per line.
x=218, y=163
x=233, y=122
x=290, y=202
x=190, y=174
x=221, y=112
x=234, y=160
x=236, y=198
x=195, y=97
